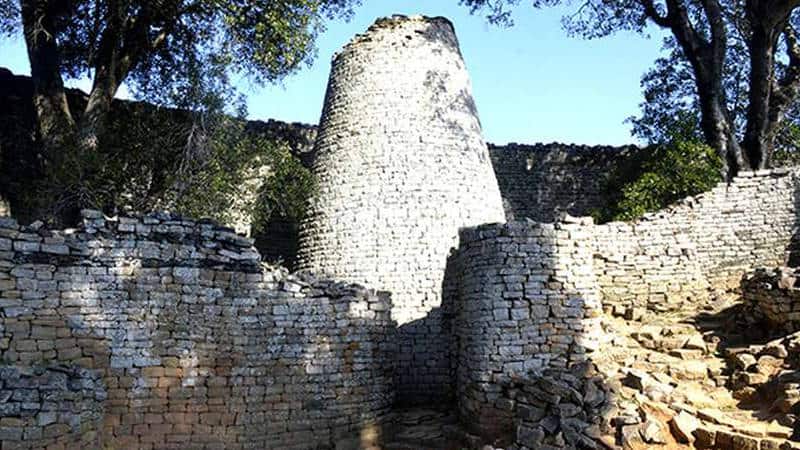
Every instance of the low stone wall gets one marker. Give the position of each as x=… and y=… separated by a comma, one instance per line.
x=58, y=406
x=528, y=295
x=197, y=344
x=668, y=261
x=527, y=301
x=775, y=296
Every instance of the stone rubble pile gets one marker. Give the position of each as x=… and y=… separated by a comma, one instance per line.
x=775, y=296
x=562, y=409
x=769, y=374
x=682, y=384
x=694, y=380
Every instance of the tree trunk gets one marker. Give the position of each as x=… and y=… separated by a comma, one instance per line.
x=97, y=108
x=759, y=138
x=718, y=132
x=715, y=120
x=55, y=122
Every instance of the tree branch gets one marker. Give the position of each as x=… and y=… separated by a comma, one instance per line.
x=719, y=37
x=692, y=43
x=792, y=48
x=54, y=120
x=651, y=12
x=786, y=89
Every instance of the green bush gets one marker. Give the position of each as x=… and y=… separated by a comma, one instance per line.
x=659, y=176
x=198, y=164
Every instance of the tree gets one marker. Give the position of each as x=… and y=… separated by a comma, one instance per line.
x=164, y=49
x=661, y=174
x=714, y=38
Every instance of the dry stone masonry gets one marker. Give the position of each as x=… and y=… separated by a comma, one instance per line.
x=161, y=332
x=775, y=296
x=527, y=301
x=196, y=344
x=668, y=260
x=56, y=407
x=401, y=165
x=542, y=181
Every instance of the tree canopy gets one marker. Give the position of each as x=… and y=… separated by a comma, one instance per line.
x=168, y=51
x=734, y=64
x=181, y=54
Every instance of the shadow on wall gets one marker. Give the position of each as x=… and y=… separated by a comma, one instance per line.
x=792, y=257
x=541, y=181
x=424, y=375
x=192, y=338
x=426, y=359
x=278, y=242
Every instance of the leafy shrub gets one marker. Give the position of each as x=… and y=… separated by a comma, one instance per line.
x=787, y=147
x=659, y=176
x=196, y=163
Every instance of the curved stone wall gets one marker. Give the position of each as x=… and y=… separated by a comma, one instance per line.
x=401, y=166
x=775, y=296
x=526, y=300
x=195, y=342
x=671, y=259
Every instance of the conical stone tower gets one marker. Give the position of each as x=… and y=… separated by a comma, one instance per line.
x=401, y=166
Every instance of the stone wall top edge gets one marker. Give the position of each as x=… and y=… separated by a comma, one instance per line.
x=562, y=146
x=694, y=201
x=382, y=24
x=158, y=226
x=521, y=228
x=217, y=248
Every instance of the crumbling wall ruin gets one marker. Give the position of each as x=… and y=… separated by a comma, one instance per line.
x=527, y=301
x=527, y=297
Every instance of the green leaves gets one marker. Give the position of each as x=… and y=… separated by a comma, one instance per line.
x=9, y=17
x=662, y=175
x=171, y=44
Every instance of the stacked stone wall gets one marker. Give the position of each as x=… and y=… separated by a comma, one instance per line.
x=195, y=342
x=57, y=407
x=670, y=260
x=527, y=301
x=528, y=296
x=401, y=165
x=774, y=295
x=542, y=181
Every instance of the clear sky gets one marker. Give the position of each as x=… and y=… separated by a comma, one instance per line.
x=532, y=83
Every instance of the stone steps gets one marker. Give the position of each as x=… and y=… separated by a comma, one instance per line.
x=679, y=372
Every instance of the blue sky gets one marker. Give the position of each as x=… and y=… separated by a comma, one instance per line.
x=532, y=83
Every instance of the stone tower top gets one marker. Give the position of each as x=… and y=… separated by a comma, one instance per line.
x=403, y=27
